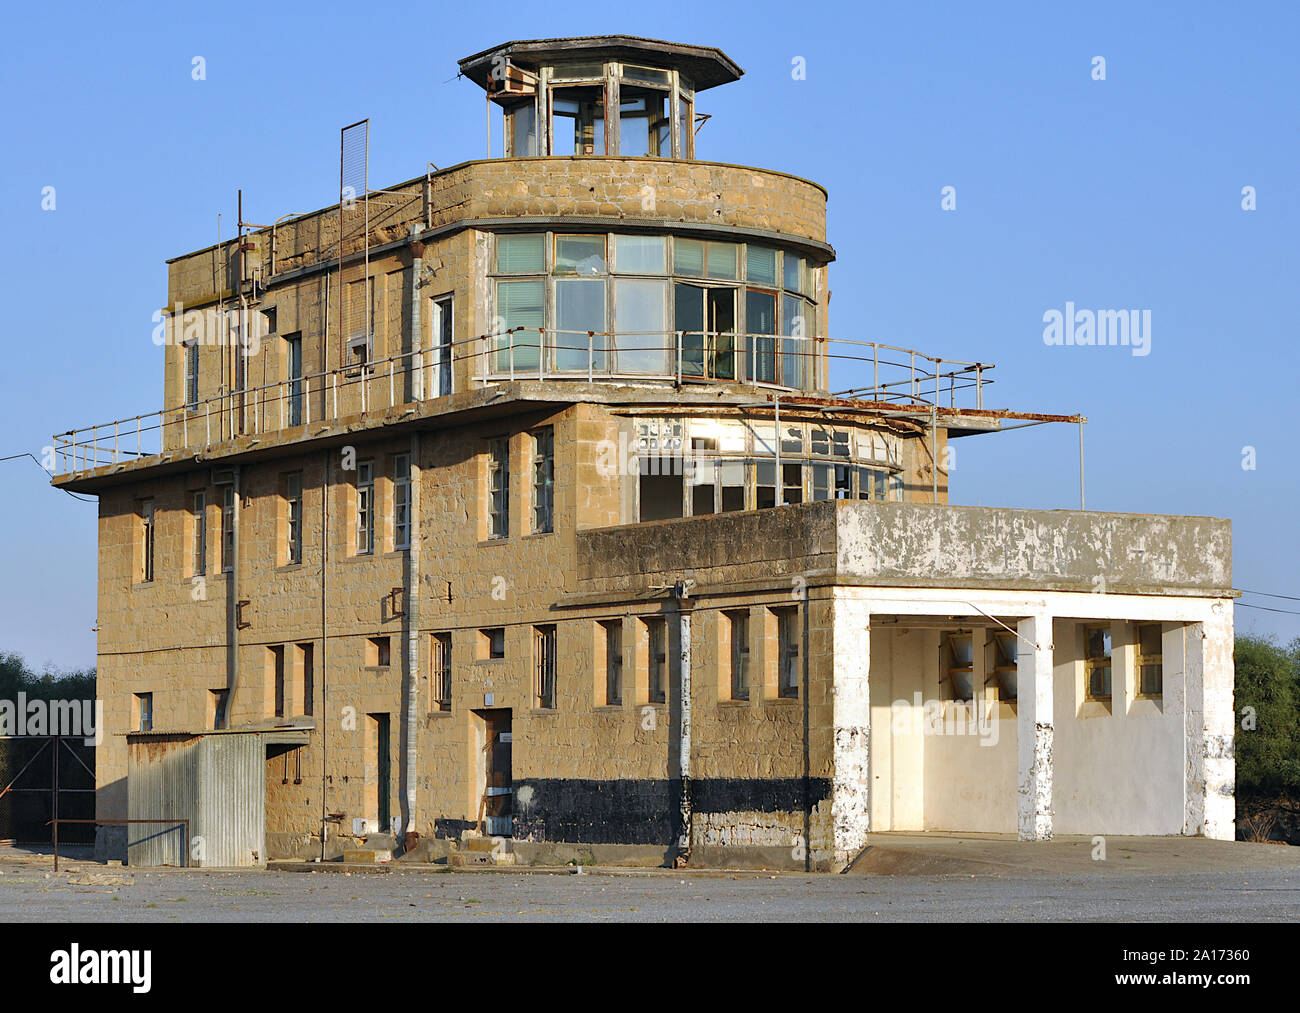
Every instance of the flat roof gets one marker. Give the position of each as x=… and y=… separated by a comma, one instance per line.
x=704, y=66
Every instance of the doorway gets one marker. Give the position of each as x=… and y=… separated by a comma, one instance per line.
x=496, y=804
x=379, y=792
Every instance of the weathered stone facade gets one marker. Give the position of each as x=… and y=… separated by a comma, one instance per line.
x=237, y=588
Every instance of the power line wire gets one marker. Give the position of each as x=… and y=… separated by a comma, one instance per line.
x=1266, y=594
x=1265, y=608
x=14, y=457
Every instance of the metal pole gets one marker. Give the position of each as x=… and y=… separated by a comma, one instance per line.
x=780, y=497
x=55, y=801
x=1081, y=496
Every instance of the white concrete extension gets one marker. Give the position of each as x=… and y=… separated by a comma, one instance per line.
x=909, y=757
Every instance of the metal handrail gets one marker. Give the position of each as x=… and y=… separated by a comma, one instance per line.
x=911, y=378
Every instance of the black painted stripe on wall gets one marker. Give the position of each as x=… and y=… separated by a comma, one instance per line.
x=646, y=811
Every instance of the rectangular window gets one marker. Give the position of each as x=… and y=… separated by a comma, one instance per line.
x=199, y=520
x=293, y=518
x=613, y=630
x=440, y=379
x=217, y=699
x=144, y=712
x=1005, y=664
x=1097, y=648
x=293, y=374
x=760, y=321
x=192, y=375
x=764, y=484
x=277, y=666
x=402, y=501
x=521, y=254
x=787, y=636
x=306, y=658
x=499, y=488
x=722, y=260
x=738, y=626
x=760, y=265
x=521, y=122
x=657, y=659
x=583, y=255
x=644, y=127
x=544, y=480
x=365, y=507
x=378, y=652
x=492, y=644
x=441, y=696
x=792, y=271
x=521, y=312
x=731, y=479
x=147, y=540
x=578, y=121
x=642, y=341
x=688, y=257
x=640, y=254
x=1150, y=663
x=959, y=664
x=228, y=529
x=579, y=325
x=544, y=655
x=791, y=483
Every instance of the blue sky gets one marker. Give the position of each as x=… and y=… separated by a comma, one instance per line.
x=1123, y=193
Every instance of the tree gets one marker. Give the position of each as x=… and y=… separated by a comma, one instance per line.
x=1268, y=683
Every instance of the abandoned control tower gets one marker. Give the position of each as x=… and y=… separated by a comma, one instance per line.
x=515, y=500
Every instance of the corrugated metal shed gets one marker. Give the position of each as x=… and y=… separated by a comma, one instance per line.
x=214, y=779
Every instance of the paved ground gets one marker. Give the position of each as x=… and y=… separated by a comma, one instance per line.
x=935, y=878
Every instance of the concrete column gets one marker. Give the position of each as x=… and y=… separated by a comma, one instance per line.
x=851, y=728
x=1034, y=728
x=1210, y=807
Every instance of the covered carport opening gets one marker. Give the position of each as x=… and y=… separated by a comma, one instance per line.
x=943, y=722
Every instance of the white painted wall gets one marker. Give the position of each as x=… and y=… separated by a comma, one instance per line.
x=1141, y=768
x=1119, y=772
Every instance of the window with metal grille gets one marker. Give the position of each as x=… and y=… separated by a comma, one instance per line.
x=738, y=626
x=544, y=656
x=787, y=635
x=192, y=375
x=402, y=501
x=613, y=630
x=544, y=480
x=293, y=501
x=657, y=661
x=1097, y=648
x=499, y=488
x=147, y=539
x=228, y=529
x=1150, y=663
x=199, y=520
x=441, y=689
x=365, y=507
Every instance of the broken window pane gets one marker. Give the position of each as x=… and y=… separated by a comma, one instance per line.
x=580, y=255
x=643, y=123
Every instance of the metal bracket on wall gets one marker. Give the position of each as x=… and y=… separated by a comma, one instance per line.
x=240, y=622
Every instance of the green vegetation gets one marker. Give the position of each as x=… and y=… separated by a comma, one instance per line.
x=1267, y=702
x=16, y=677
